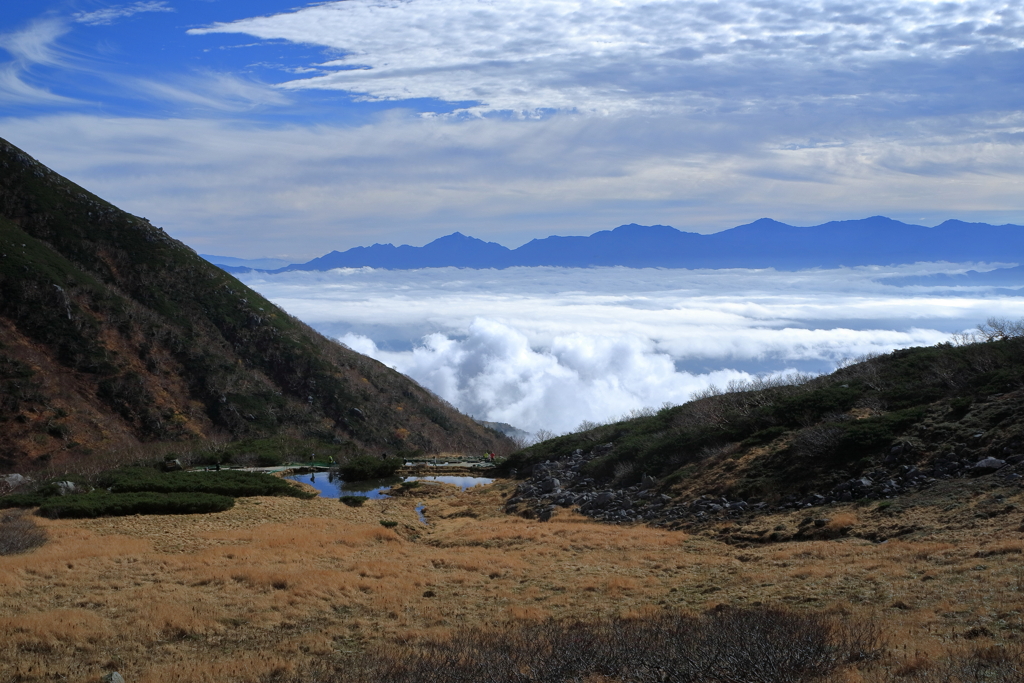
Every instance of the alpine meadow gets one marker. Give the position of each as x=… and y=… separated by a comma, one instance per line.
x=511, y=341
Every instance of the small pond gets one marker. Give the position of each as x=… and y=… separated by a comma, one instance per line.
x=332, y=487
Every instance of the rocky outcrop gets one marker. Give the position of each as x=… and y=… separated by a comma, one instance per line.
x=562, y=483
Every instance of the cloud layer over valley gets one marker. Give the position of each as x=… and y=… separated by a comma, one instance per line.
x=546, y=348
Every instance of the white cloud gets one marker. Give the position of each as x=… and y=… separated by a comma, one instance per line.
x=111, y=14
x=494, y=374
x=255, y=191
x=209, y=90
x=624, y=55
x=35, y=43
x=546, y=348
x=31, y=46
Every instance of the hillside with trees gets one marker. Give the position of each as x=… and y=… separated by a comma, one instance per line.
x=114, y=334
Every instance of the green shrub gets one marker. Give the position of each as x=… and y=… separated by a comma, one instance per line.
x=223, y=483
x=102, y=504
x=363, y=467
x=810, y=406
x=959, y=407
x=873, y=434
x=388, y=523
x=353, y=501
x=22, y=500
x=269, y=460
x=410, y=484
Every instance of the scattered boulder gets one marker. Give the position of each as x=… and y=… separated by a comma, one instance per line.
x=550, y=485
x=113, y=677
x=65, y=488
x=987, y=465
x=15, y=480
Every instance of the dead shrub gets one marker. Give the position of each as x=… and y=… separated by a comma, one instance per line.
x=820, y=441
x=767, y=645
x=991, y=664
x=19, y=533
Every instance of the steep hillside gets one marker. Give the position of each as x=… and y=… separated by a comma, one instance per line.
x=112, y=332
x=877, y=429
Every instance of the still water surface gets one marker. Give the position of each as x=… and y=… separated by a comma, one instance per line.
x=331, y=487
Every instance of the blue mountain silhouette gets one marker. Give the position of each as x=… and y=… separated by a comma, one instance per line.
x=765, y=243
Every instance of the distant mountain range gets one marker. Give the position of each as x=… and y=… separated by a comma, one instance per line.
x=246, y=264
x=765, y=243
x=1008, y=277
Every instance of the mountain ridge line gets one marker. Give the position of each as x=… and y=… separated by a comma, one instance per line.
x=764, y=243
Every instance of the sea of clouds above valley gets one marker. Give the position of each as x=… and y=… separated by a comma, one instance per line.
x=547, y=348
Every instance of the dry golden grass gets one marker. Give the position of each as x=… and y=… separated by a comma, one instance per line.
x=259, y=588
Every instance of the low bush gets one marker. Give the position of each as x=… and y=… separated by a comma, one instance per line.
x=388, y=523
x=22, y=500
x=353, y=501
x=269, y=460
x=19, y=533
x=363, y=467
x=102, y=504
x=223, y=483
x=873, y=434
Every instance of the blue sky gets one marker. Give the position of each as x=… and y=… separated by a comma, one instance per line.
x=266, y=128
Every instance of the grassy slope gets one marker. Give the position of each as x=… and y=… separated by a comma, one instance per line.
x=276, y=583
x=797, y=439
x=110, y=330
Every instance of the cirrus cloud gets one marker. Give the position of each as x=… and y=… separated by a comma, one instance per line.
x=622, y=55
x=109, y=15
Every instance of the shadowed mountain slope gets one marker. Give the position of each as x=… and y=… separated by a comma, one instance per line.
x=112, y=333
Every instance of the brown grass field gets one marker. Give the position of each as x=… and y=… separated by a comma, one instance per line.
x=275, y=583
